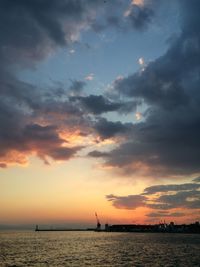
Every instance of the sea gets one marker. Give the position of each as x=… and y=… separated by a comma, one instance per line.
x=29, y=248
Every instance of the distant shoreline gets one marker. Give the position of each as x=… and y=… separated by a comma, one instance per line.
x=134, y=228
x=64, y=230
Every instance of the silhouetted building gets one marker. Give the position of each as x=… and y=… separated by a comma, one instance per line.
x=107, y=228
x=156, y=228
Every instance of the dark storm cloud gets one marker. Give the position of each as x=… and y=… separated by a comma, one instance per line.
x=180, y=198
x=20, y=106
x=171, y=187
x=140, y=16
x=98, y=104
x=108, y=129
x=77, y=87
x=30, y=27
x=184, y=199
x=52, y=107
x=97, y=154
x=170, y=198
x=30, y=31
x=167, y=140
x=127, y=202
x=42, y=140
x=154, y=87
x=63, y=153
x=136, y=17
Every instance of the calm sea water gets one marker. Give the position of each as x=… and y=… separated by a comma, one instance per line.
x=98, y=249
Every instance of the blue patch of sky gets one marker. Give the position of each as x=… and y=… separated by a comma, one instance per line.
x=107, y=55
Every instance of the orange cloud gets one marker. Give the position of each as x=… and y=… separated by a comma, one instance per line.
x=13, y=157
x=138, y=2
x=43, y=141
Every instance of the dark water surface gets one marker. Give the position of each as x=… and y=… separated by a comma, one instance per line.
x=98, y=249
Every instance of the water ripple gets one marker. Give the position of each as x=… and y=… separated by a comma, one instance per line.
x=77, y=249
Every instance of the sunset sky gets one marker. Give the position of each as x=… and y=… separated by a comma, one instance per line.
x=99, y=111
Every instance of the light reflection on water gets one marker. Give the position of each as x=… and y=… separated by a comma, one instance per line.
x=98, y=249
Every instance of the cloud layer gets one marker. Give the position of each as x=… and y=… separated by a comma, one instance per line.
x=174, y=200
x=42, y=122
x=166, y=141
x=30, y=31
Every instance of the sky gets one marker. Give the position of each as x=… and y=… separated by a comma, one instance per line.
x=99, y=111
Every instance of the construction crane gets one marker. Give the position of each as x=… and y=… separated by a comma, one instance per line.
x=98, y=223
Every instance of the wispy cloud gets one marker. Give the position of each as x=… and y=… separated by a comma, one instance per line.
x=89, y=77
